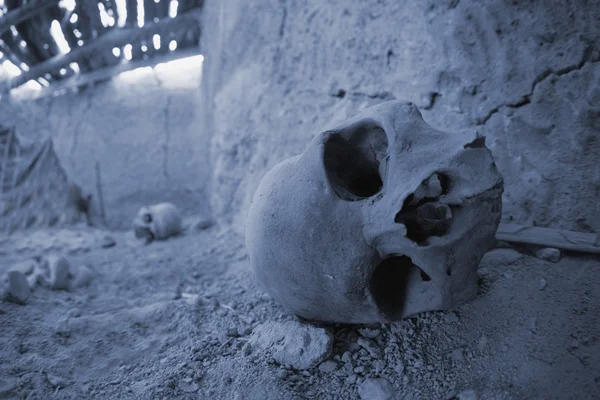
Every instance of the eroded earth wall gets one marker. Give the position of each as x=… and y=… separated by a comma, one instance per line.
x=140, y=128
x=526, y=74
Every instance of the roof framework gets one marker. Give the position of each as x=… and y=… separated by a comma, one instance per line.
x=60, y=41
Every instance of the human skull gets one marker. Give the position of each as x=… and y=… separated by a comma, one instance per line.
x=157, y=222
x=379, y=219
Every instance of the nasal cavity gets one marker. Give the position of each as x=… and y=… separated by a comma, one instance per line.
x=352, y=159
x=423, y=214
x=390, y=281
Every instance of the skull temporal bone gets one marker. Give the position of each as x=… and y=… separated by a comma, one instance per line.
x=380, y=218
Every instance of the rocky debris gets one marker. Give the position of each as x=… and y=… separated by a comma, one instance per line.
x=451, y=318
x=369, y=333
x=542, y=284
x=17, y=288
x=549, y=254
x=376, y=389
x=293, y=343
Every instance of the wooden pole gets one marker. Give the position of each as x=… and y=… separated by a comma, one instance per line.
x=113, y=38
x=548, y=237
x=25, y=12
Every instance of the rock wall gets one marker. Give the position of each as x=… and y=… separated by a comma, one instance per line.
x=142, y=130
x=525, y=74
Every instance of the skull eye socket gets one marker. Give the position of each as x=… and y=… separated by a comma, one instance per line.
x=353, y=159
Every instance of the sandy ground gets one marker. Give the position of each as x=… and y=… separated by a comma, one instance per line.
x=172, y=320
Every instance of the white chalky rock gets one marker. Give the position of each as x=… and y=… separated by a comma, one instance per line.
x=381, y=218
x=158, y=222
x=293, y=343
x=376, y=389
x=17, y=288
x=58, y=272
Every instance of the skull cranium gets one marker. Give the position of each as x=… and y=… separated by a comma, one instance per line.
x=380, y=218
x=157, y=222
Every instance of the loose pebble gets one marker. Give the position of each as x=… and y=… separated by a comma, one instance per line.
x=83, y=278
x=188, y=387
x=328, y=366
x=468, y=394
x=549, y=254
x=376, y=389
x=300, y=345
x=108, y=242
x=500, y=257
x=57, y=381
x=7, y=385
x=18, y=289
x=451, y=318
x=542, y=284
x=369, y=333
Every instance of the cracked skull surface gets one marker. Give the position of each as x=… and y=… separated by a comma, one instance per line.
x=381, y=218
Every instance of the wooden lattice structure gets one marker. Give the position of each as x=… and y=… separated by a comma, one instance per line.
x=101, y=35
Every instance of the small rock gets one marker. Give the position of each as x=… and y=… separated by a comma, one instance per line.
x=328, y=366
x=83, y=278
x=359, y=370
x=376, y=389
x=58, y=268
x=542, y=284
x=57, y=381
x=232, y=332
x=204, y=224
x=451, y=318
x=18, y=290
x=247, y=349
x=25, y=267
x=188, y=387
x=351, y=379
x=369, y=333
x=549, y=254
x=369, y=346
x=482, y=343
x=533, y=324
x=500, y=257
x=108, y=242
x=7, y=385
x=300, y=345
x=468, y=394
x=457, y=356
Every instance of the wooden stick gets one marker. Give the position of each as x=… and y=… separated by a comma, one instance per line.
x=548, y=237
x=100, y=195
x=113, y=38
x=25, y=12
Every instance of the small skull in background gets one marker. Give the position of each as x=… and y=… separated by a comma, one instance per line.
x=381, y=218
x=157, y=222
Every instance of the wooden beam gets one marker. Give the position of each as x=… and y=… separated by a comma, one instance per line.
x=548, y=237
x=100, y=75
x=25, y=12
x=113, y=38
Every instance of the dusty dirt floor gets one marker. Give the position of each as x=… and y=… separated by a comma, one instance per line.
x=174, y=319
